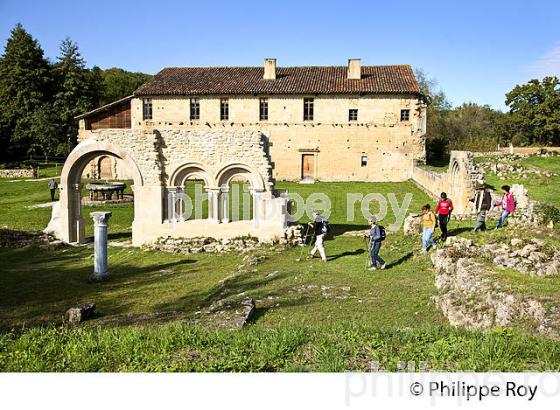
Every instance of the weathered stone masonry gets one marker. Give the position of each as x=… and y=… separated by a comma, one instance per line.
x=160, y=161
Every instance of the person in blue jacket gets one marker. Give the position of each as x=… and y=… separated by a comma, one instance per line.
x=375, y=239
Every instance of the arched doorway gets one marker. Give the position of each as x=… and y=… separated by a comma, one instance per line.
x=72, y=221
x=105, y=167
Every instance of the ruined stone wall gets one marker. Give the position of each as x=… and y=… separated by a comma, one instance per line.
x=155, y=151
x=459, y=182
x=389, y=144
x=17, y=173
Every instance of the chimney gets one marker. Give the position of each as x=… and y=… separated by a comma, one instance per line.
x=354, y=69
x=269, y=69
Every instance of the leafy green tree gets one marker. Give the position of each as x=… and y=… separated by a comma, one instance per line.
x=118, y=83
x=535, y=111
x=25, y=85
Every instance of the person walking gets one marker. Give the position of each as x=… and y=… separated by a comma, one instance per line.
x=428, y=225
x=320, y=227
x=376, y=236
x=482, y=201
x=443, y=211
x=52, y=186
x=507, y=203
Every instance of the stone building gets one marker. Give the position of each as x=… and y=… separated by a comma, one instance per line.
x=354, y=123
x=216, y=125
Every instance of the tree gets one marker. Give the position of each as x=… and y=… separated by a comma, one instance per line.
x=25, y=85
x=76, y=92
x=535, y=111
x=118, y=83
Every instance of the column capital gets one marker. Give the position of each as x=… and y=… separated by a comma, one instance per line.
x=100, y=218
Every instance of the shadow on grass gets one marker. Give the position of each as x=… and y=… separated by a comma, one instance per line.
x=347, y=253
x=36, y=287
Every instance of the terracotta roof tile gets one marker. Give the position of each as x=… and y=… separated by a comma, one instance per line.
x=398, y=79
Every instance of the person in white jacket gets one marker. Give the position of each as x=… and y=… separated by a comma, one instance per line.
x=320, y=228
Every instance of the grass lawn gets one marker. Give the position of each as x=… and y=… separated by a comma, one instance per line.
x=540, y=187
x=311, y=316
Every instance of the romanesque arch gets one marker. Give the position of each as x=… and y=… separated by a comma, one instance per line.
x=71, y=221
x=225, y=175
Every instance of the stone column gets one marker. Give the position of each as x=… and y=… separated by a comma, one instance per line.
x=77, y=205
x=100, y=220
x=257, y=205
x=224, y=198
x=213, y=205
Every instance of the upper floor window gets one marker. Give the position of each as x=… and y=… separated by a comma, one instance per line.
x=147, y=109
x=353, y=114
x=195, y=108
x=405, y=115
x=224, y=109
x=308, y=109
x=263, y=109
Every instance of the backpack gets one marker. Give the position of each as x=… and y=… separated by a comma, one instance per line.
x=382, y=234
x=326, y=227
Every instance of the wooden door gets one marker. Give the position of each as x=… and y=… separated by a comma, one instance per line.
x=308, y=166
x=105, y=168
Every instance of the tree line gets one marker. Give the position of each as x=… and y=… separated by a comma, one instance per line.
x=533, y=118
x=40, y=98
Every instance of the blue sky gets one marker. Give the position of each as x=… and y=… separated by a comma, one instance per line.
x=477, y=50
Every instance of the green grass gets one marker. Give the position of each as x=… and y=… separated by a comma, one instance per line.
x=540, y=187
x=324, y=348
x=311, y=316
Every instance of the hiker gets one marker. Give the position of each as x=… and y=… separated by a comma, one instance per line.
x=320, y=228
x=52, y=187
x=507, y=203
x=443, y=211
x=376, y=236
x=428, y=224
x=482, y=201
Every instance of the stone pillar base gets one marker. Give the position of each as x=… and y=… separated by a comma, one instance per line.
x=99, y=277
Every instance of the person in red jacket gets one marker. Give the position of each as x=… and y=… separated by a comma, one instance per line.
x=443, y=211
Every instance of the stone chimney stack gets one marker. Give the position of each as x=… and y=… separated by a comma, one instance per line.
x=269, y=69
x=354, y=69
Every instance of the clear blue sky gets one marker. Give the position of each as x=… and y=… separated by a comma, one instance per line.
x=477, y=50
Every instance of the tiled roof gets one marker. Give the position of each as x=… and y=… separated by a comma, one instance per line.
x=391, y=79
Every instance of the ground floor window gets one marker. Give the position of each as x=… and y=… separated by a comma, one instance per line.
x=363, y=160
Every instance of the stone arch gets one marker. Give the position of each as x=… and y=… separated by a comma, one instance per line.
x=71, y=223
x=180, y=205
x=192, y=169
x=227, y=173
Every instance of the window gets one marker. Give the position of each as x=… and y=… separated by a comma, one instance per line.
x=308, y=109
x=195, y=109
x=363, y=161
x=147, y=109
x=224, y=109
x=405, y=115
x=263, y=109
x=353, y=114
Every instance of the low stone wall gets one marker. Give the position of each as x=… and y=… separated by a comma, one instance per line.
x=15, y=239
x=470, y=296
x=429, y=181
x=18, y=173
x=292, y=237
x=458, y=182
